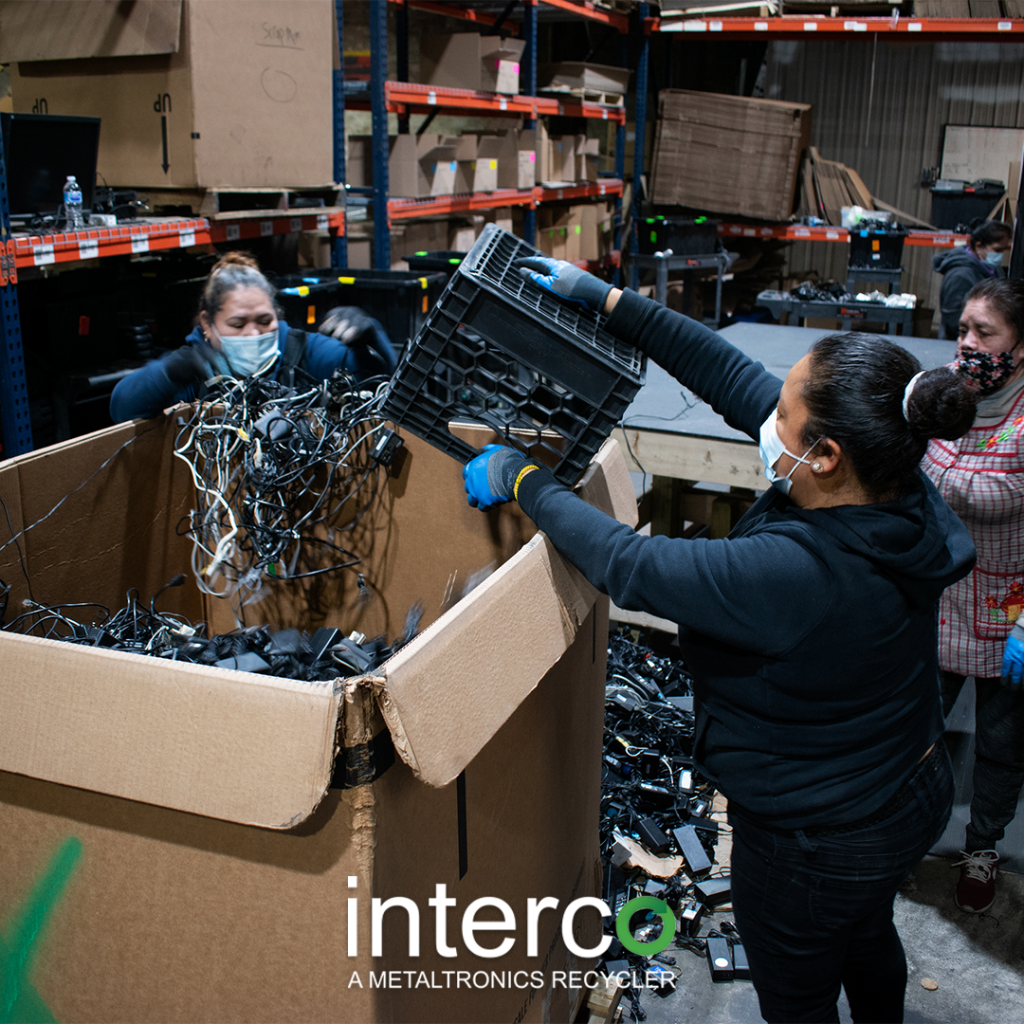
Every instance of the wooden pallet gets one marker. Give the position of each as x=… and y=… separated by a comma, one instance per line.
x=214, y=202
x=565, y=92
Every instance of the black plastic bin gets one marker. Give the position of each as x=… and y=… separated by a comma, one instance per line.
x=685, y=236
x=876, y=248
x=498, y=350
x=956, y=208
x=444, y=260
x=398, y=299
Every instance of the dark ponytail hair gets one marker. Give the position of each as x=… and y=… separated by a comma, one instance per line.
x=985, y=232
x=854, y=395
x=1005, y=297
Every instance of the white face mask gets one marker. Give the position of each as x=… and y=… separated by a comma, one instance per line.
x=248, y=354
x=994, y=259
x=771, y=449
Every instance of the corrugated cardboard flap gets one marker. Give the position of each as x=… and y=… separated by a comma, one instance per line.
x=232, y=745
x=450, y=690
x=66, y=29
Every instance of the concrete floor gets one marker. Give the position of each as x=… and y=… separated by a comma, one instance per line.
x=976, y=959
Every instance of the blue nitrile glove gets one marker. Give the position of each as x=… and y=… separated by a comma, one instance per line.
x=565, y=280
x=490, y=477
x=1013, y=660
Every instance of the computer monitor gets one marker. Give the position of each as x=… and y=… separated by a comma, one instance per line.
x=40, y=151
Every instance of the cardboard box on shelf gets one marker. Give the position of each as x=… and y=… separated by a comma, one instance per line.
x=517, y=159
x=468, y=60
x=477, y=163
x=235, y=103
x=728, y=154
x=585, y=77
x=553, y=231
x=587, y=151
x=463, y=231
x=561, y=164
x=421, y=165
x=200, y=864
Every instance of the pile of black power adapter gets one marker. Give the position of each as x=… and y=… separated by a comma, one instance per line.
x=651, y=795
x=140, y=628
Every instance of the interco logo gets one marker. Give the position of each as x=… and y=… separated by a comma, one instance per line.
x=492, y=915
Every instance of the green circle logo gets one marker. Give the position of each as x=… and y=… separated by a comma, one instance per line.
x=668, y=923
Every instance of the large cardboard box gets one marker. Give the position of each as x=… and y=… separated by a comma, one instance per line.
x=728, y=154
x=243, y=98
x=173, y=846
x=468, y=60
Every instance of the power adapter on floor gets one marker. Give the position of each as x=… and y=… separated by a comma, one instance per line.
x=720, y=961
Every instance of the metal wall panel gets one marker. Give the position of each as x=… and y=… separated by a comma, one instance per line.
x=880, y=108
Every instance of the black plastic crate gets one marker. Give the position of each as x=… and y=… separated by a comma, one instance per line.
x=685, y=236
x=954, y=209
x=497, y=349
x=444, y=260
x=876, y=249
x=398, y=299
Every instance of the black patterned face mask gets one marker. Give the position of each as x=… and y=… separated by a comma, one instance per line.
x=988, y=371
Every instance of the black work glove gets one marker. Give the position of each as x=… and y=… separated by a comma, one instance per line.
x=350, y=325
x=186, y=366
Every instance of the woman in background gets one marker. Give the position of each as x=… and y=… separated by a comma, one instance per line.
x=239, y=332
x=981, y=629
x=963, y=267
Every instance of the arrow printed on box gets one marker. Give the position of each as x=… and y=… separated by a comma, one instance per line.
x=163, y=135
x=19, y=1001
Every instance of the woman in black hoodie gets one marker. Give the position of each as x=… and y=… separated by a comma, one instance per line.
x=963, y=267
x=810, y=633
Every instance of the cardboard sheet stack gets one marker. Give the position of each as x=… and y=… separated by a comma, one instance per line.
x=826, y=186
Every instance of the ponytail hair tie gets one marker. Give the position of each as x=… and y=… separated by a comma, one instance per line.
x=907, y=392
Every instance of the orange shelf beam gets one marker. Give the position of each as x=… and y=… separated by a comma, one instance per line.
x=586, y=9
x=802, y=27
x=407, y=209
x=825, y=233
x=402, y=96
x=39, y=250
x=458, y=11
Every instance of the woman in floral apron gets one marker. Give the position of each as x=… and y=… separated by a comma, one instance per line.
x=981, y=628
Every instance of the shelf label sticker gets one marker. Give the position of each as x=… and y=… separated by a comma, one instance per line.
x=502, y=103
x=855, y=26
x=716, y=26
x=832, y=236
x=186, y=238
x=767, y=232
x=140, y=243
x=749, y=233
x=1005, y=26
x=234, y=232
x=695, y=26
x=810, y=26
x=432, y=98
x=913, y=26
x=604, y=115
x=266, y=228
x=322, y=222
x=296, y=224
x=43, y=254
x=88, y=249
x=802, y=233
x=760, y=26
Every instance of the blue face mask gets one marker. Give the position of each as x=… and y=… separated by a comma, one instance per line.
x=771, y=449
x=250, y=354
x=994, y=259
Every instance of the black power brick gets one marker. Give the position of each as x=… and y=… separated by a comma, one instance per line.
x=690, y=846
x=720, y=961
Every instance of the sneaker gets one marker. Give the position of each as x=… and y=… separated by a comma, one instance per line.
x=976, y=890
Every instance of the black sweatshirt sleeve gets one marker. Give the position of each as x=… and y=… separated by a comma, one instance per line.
x=762, y=592
x=740, y=390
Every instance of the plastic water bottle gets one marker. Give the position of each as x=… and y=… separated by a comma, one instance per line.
x=73, y=204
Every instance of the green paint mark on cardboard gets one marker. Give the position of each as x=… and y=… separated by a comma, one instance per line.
x=19, y=1001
